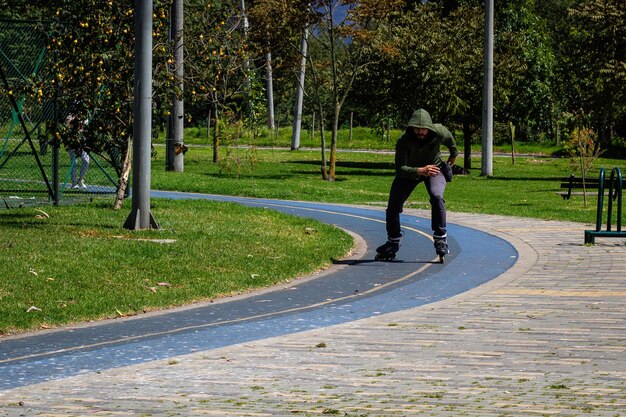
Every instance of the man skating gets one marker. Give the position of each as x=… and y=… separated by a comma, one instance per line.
x=418, y=159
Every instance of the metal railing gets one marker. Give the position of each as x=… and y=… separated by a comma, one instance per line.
x=615, y=194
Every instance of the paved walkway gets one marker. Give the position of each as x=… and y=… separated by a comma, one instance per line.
x=547, y=337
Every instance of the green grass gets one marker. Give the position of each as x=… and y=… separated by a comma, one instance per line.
x=362, y=138
x=79, y=264
x=527, y=188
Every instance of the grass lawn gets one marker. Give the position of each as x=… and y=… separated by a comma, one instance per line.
x=80, y=265
x=527, y=188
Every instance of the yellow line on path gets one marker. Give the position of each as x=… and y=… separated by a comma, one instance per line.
x=561, y=293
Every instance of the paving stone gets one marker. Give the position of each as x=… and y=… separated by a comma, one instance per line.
x=547, y=338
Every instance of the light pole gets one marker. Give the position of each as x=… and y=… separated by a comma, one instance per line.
x=140, y=216
x=487, y=123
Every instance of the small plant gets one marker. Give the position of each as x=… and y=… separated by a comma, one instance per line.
x=558, y=386
x=583, y=150
x=237, y=158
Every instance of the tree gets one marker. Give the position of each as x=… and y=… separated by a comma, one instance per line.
x=461, y=81
x=430, y=57
x=583, y=150
x=345, y=31
x=11, y=9
x=174, y=143
x=527, y=64
x=93, y=72
x=597, y=55
x=217, y=73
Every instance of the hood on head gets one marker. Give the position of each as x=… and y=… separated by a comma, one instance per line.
x=421, y=119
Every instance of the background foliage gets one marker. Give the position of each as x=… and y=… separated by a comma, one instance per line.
x=553, y=58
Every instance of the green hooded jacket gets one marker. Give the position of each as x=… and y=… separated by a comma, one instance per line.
x=412, y=153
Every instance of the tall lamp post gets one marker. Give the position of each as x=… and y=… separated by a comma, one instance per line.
x=140, y=216
x=487, y=123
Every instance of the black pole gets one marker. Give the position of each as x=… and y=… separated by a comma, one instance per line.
x=55, y=143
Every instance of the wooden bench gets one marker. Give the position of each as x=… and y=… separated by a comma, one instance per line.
x=572, y=182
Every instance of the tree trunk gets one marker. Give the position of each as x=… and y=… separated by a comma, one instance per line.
x=216, y=137
x=333, y=146
x=583, y=171
x=467, y=146
x=270, y=92
x=208, y=126
x=558, y=134
x=351, y=122
x=324, y=167
x=512, y=132
x=122, y=183
x=174, y=159
x=297, y=120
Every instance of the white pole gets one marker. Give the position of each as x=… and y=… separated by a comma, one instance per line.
x=297, y=121
x=487, y=122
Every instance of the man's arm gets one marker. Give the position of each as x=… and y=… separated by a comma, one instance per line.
x=449, y=142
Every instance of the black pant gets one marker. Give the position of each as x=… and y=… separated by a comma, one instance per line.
x=401, y=189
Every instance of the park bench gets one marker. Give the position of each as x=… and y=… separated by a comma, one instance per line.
x=572, y=182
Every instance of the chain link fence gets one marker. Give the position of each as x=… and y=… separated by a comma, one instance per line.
x=34, y=169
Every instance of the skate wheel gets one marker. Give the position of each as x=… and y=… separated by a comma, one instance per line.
x=442, y=258
x=385, y=258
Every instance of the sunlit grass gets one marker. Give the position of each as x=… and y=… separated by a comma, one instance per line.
x=79, y=264
x=528, y=188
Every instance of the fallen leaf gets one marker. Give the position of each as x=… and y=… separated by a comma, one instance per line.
x=32, y=271
x=32, y=308
x=164, y=284
x=43, y=214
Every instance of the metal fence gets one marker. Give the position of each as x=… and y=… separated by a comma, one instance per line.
x=33, y=167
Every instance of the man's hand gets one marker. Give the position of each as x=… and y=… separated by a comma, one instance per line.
x=428, y=171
